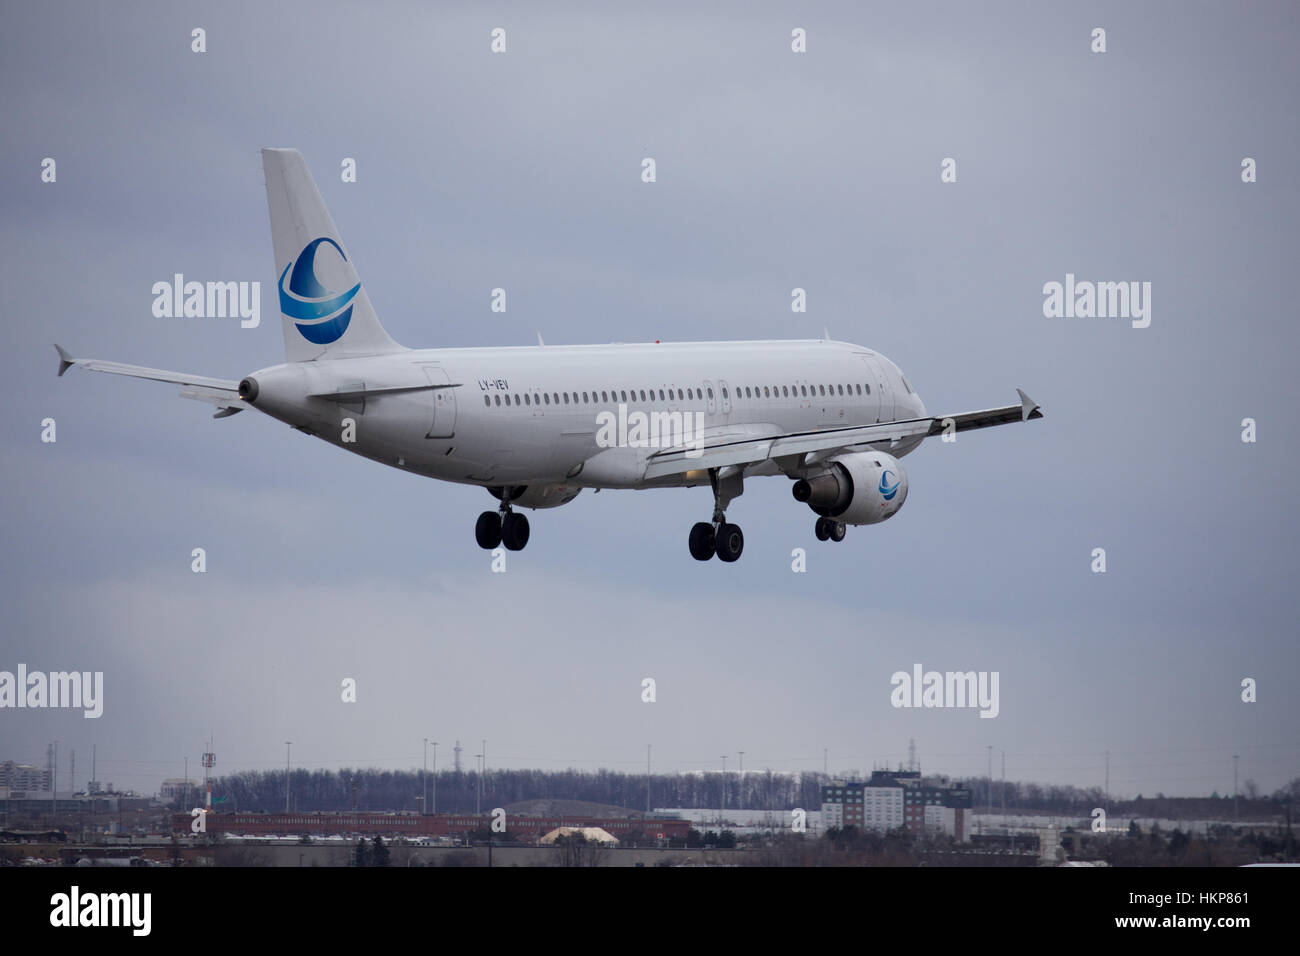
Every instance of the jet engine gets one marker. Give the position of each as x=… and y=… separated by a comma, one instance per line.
x=857, y=488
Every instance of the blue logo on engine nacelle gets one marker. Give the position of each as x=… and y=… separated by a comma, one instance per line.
x=320, y=315
x=887, y=491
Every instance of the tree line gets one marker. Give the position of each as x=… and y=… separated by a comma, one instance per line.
x=457, y=792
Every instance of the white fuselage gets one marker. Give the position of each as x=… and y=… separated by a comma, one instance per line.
x=531, y=415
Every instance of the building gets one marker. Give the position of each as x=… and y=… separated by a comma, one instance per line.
x=894, y=799
x=24, y=777
x=414, y=826
x=590, y=834
x=932, y=804
x=176, y=788
x=863, y=806
x=16, y=803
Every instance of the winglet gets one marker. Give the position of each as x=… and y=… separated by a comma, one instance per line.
x=1028, y=407
x=66, y=361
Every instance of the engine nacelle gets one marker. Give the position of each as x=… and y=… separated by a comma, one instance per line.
x=537, y=496
x=864, y=487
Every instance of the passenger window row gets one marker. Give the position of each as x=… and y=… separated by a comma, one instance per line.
x=666, y=395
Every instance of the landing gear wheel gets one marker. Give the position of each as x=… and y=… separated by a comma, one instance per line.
x=823, y=528
x=487, y=532
x=838, y=530
x=702, y=541
x=514, y=531
x=730, y=542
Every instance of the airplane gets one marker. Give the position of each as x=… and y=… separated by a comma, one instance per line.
x=536, y=425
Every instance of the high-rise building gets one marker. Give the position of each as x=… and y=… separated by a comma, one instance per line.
x=862, y=805
x=894, y=799
x=24, y=777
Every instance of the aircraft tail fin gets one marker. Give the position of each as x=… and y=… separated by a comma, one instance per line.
x=324, y=310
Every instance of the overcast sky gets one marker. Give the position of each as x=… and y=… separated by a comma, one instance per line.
x=775, y=170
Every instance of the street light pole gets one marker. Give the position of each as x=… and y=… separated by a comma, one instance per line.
x=424, y=780
x=435, y=777
x=1290, y=840
x=287, y=745
x=723, y=810
x=740, y=783
x=990, y=779
x=1235, y=816
x=478, y=793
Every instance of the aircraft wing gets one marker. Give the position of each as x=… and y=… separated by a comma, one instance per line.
x=217, y=391
x=743, y=451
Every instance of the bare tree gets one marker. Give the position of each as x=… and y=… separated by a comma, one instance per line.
x=574, y=849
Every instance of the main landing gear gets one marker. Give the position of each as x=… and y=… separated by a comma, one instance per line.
x=830, y=528
x=718, y=537
x=501, y=527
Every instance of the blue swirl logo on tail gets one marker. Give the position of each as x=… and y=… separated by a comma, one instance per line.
x=320, y=315
x=887, y=491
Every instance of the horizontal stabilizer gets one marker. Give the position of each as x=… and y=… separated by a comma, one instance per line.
x=227, y=403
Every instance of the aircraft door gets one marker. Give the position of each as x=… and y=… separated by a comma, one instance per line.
x=442, y=404
x=881, y=390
